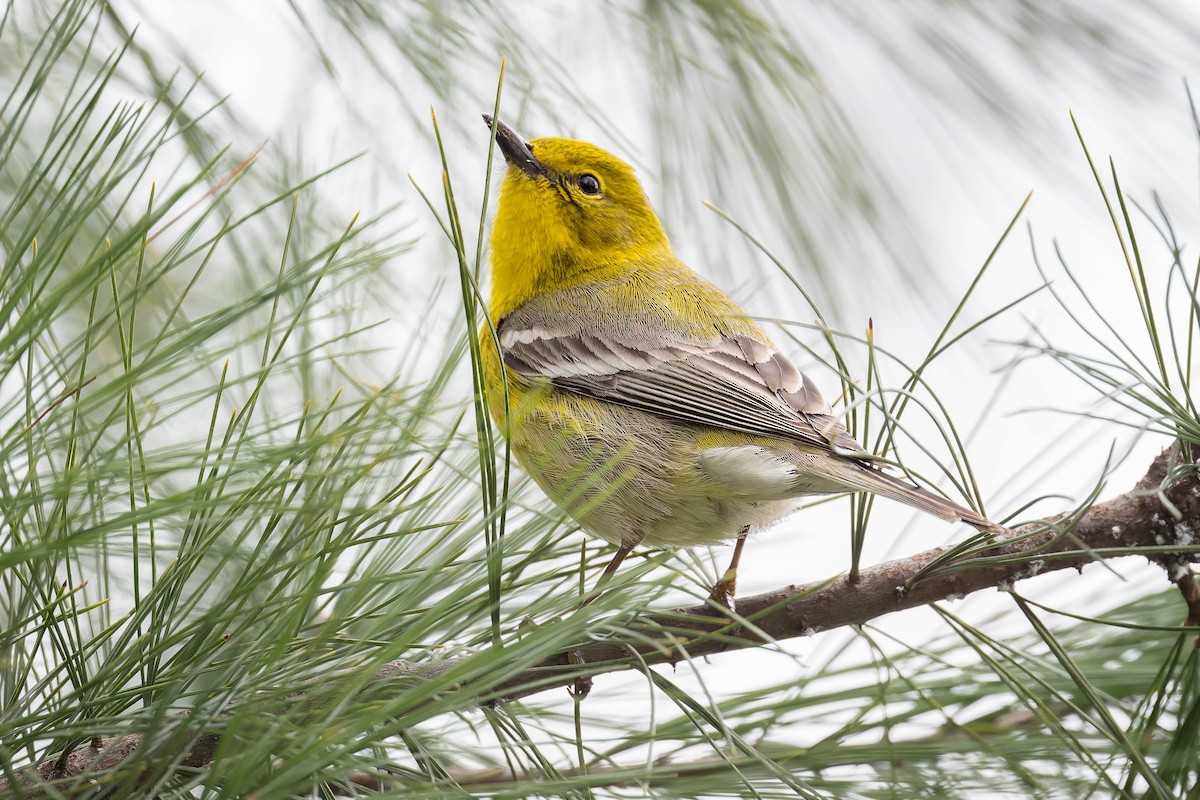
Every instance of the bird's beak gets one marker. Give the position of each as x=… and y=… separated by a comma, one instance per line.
x=517, y=151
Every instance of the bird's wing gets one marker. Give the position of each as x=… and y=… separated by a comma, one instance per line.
x=735, y=382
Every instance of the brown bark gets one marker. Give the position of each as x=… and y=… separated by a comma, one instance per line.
x=1135, y=522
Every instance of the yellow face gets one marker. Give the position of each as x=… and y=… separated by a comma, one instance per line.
x=583, y=194
x=568, y=210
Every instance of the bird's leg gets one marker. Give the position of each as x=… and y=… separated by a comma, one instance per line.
x=609, y=570
x=722, y=593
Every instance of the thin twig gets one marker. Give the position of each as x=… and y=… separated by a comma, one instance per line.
x=212, y=190
x=62, y=398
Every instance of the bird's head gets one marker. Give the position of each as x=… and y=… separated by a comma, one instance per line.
x=567, y=210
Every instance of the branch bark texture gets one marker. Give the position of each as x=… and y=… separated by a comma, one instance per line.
x=1135, y=522
x=1155, y=519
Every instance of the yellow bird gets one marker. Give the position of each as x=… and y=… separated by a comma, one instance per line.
x=642, y=398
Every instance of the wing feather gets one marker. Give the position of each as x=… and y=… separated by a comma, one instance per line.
x=736, y=383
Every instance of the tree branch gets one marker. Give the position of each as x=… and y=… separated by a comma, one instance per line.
x=1136, y=522
x=1132, y=523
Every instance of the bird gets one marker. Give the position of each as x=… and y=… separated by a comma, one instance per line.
x=639, y=396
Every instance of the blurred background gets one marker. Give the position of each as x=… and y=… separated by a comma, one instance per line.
x=878, y=152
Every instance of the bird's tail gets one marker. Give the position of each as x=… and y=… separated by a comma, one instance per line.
x=869, y=479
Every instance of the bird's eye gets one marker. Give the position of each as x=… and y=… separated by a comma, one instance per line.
x=589, y=183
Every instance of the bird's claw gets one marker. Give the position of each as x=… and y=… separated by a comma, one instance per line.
x=723, y=592
x=583, y=685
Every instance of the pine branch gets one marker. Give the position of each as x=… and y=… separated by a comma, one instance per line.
x=1137, y=522
x=1155, y=519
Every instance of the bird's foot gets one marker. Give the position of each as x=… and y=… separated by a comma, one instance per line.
x=724, y=590
x=583, y=684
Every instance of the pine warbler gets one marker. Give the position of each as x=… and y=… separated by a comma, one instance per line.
x=642, y=399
